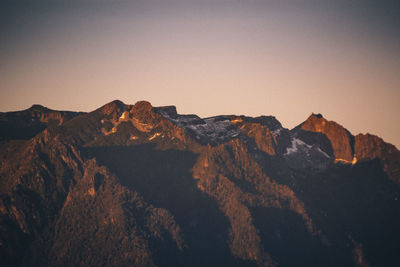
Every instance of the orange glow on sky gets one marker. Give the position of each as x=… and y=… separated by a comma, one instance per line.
x=259, y=58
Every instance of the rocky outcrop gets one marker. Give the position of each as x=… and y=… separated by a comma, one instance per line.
x=369, y=147
x=339, y=137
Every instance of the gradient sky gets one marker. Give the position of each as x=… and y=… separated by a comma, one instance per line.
x=281, y=58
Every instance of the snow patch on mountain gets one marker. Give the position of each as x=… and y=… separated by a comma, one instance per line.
x=323, y=153
x=296, y=144
x=299, y=146
x=214, y=130
x=277, y=131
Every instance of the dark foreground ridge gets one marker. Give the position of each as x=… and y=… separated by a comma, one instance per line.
x=137, y=185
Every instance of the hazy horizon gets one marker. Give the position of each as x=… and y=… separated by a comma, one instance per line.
x=281, y=58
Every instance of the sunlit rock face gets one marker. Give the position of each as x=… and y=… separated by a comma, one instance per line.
x=137, y=185
x=369, y=147
x=339, y=137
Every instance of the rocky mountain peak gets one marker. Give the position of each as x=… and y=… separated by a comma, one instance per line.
x=318, y=115
x=142, y=106
x=169, y=111
x=39, y=108
x=340, y=138
x=116, y=106
x=143, y=111
x=25, y=124
x=315, y=120
x=370, y=147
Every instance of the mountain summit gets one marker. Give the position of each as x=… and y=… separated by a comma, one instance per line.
x=137, y=185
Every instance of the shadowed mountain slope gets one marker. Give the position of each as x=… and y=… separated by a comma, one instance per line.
x=139, y=185
x=27, y=123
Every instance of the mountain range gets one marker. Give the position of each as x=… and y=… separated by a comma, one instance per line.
x=137, y=185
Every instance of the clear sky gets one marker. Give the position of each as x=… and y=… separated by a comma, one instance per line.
x=281, y=58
